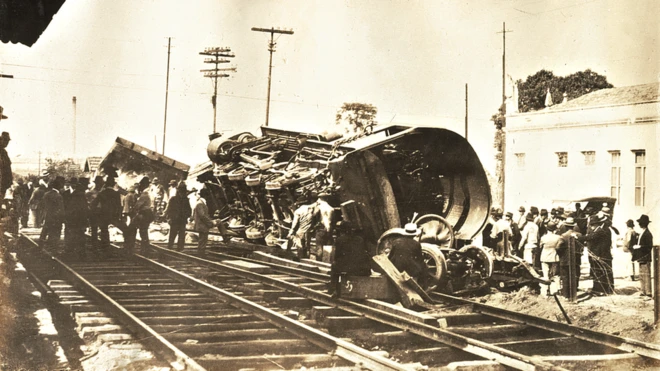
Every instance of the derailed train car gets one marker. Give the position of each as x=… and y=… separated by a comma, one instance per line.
x=377, y=182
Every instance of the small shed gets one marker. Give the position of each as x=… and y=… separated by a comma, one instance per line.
x=92, y=164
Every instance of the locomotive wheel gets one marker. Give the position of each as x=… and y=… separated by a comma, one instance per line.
x=435, y=262
x=436, y=230
x=482, y=257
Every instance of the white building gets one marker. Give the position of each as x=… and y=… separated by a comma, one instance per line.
x=601, y=144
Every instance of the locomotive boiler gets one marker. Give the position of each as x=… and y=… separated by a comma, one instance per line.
x=378, y=182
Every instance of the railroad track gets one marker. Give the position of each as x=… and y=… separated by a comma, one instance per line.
x=453, y=332
x=197, y=326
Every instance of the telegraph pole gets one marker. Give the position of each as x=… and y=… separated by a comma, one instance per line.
x=271, y=49
x=167, y=90
x=218, y=56
x=74, y=126
x=466, y=111
x=503, y=172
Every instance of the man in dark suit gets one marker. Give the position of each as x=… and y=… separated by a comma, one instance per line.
x=599, y=242
x=641, y=252
x=53, y=209
x=177, y=212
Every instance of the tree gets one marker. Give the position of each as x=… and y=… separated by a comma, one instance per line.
x=66, y=168
x=533, y=90
x=358, y=117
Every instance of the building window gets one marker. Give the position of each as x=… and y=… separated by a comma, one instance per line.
x=562, y=159
x=589, y=157
x=640, y=177
x=615, y=177
x=520, y=160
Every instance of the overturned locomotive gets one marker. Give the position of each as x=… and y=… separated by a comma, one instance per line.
x=376, y=182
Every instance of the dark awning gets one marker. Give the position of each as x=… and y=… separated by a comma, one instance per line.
x=23, y=21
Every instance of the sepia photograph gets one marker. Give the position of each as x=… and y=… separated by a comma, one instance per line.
x=329, y=185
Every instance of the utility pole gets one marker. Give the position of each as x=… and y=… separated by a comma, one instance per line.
x=167, y=90
x=503, y=171
x=218, y=56
x=466, y=111
x=74, y=126
x=271, y=49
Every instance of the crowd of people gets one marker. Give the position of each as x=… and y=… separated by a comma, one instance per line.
x=542, y=240
x=79, y=205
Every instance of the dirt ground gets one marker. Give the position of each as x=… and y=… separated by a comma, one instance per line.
x=626, y=313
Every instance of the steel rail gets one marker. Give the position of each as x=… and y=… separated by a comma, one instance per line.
x=339, y=347
x=624, y=344
x=473, y=346
x=151, y=338
x=317, y=276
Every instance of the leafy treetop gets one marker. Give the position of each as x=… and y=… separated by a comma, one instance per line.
x=358, y=117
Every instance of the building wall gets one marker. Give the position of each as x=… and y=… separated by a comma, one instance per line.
x=540, y=135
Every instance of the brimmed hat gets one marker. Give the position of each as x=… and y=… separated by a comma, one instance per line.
x=529, y=217
x=534, y=209
x=145, y=181
x=544, y=212
x=2, y=115
x=5, y=135
x=509, y=214
x=551, y=226
x=630, y=223
x=173, y=182
x=521, y=209
x=410, y=229
x=58, y=182
x=643, y=219
x=570, y=222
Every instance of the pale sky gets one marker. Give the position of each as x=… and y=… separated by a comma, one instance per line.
x=411, y=59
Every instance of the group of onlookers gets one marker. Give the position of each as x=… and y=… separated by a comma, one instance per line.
x=542, y=239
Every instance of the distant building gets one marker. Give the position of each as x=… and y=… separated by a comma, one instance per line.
x=601, y=144
x=92, y=164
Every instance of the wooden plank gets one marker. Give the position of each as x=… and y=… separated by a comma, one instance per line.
x=294, y=302
x=230, y=335
x=262, y=256
x=409, y=298
x=248, y=266
x=264, y=362
x=403, y=312
x=249, y=347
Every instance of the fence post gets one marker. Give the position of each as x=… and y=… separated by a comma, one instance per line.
x=655, y=282
x=572, y=279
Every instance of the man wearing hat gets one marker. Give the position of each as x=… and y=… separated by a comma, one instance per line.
x=599, y=243
x=303, y=218
x=641, y=253
x=35, y=204
x=76, y=213
x=549, y=257
x=6, y=176
x=177, y=213
x=94, y=213
x=529, y=239
x=53, y=208
x=406, y=254
x=570, y=232
x=172, y=190
x=324, y=225
x=500, y=226
x=515, y=232
x=141, y=217
x=108, y=204
x=520, y=218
